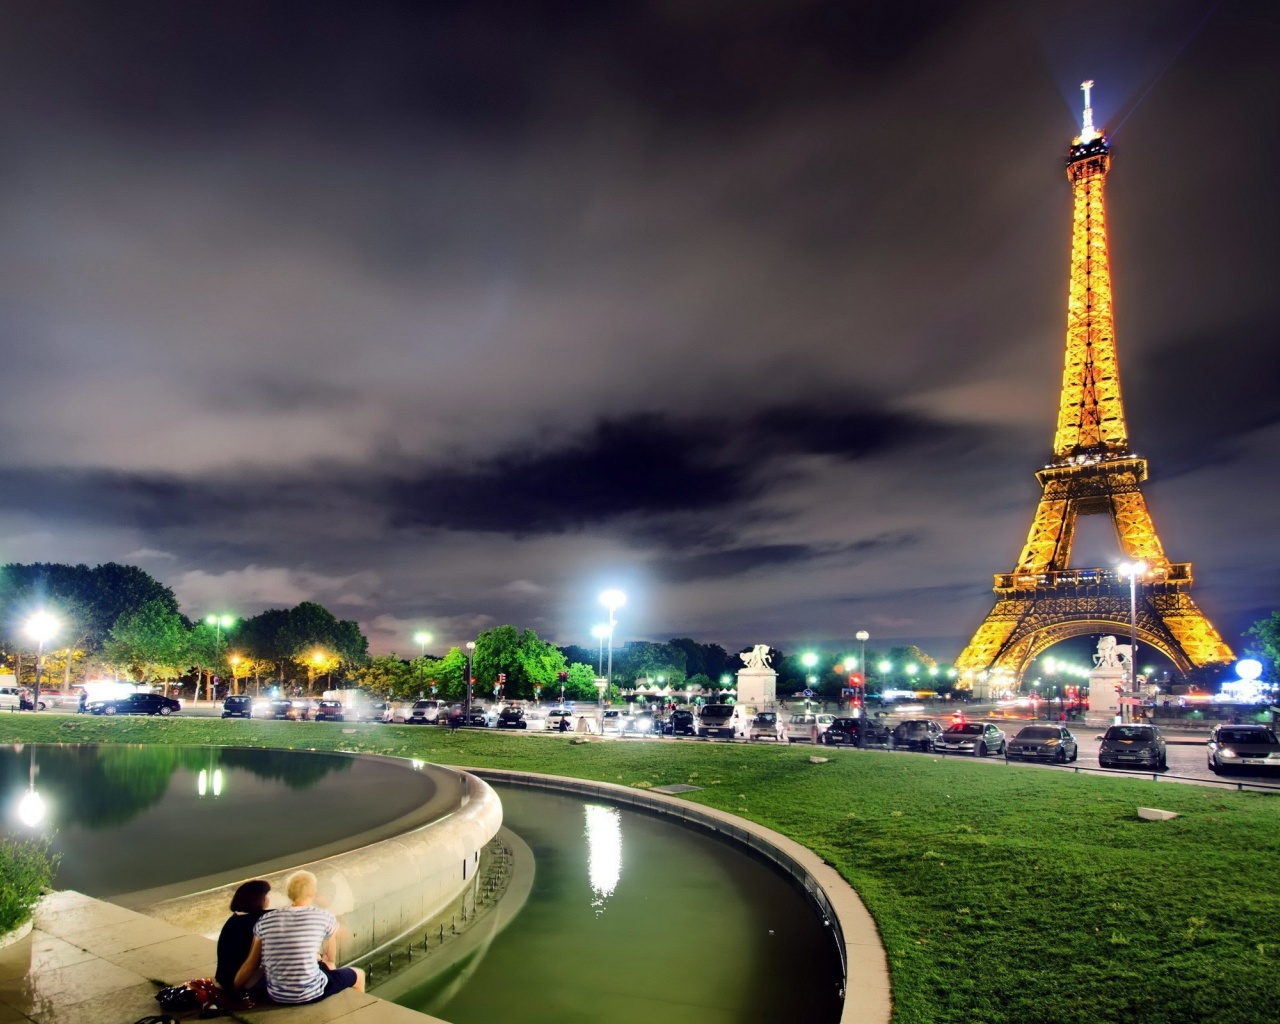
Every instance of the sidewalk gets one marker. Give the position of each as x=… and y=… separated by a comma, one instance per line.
x=90, y=962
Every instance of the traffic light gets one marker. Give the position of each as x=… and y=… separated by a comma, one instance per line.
x=502, y=677
x=856, y=679
x=563, y=676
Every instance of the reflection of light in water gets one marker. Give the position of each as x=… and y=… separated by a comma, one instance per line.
x=604, y=852
x=202, y=782
x=31, y=809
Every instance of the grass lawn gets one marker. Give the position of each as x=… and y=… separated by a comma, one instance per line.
x=1002, y=894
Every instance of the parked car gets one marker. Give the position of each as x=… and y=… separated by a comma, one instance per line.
x=302, y=707
x=372, y=711
x=799, y=726
x=976, y=738
x=842, y=731
x=716, y=719
x=10, y=698
x=611, y=721
x=641, y=725
x=762, y=726
x=916, y=734
x=331, y=711
x=1139, y=745
x=681, y=722
x=237, y=707
x=512, y=717
x=1043, y=743
x=477, y=718
x=1243, y=746
x=560, y=720
x=135, y=704
x=424, y=712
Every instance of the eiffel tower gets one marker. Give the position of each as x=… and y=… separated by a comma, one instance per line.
x=1093, y=472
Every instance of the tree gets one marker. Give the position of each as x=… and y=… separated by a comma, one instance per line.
x=704, y=659
x=581, y=684
x=526, y=660
x=1267, y=633
x=386, y=676
x=151, y=643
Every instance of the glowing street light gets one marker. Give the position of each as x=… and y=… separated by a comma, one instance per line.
x=884, y=668
x=471, y=678
x=422, y=638
x=1132, y=570
x=600, y=632
x=219, y=623
x=613, y=600
x=41, y=627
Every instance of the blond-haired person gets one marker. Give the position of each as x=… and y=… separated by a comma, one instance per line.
x=297, y=947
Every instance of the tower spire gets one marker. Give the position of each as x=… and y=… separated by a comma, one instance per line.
x=1090, y=413
x=1087, y=133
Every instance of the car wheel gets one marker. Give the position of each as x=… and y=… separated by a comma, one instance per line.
x=1060, y=756
x=1214, y=766
x=166, y=711
x=980, y=750
x=109, y=710
x=1163, y=764
x=1074, y=754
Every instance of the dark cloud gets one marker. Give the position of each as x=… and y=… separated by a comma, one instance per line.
x=426, y=308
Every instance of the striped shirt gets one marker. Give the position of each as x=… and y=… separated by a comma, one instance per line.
x=291, y=938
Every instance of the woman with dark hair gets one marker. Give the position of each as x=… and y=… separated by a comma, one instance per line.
x=234, y=942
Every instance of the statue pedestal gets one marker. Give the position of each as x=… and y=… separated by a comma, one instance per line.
x=1104, y=701
x=757, y=686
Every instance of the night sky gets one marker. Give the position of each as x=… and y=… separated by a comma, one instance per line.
x=452, y=314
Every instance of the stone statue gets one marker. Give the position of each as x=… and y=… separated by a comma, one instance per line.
x=1111, y=654
x=757, y=657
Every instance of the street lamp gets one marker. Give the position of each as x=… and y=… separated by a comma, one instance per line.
x=235, y=673
x=317, y=659
x=219, y=623
x=471, y=653
x=862, y=636
x=600, y=632
x=41, y=627
x=422, y=638
x=613, y=600
x=1132, y=570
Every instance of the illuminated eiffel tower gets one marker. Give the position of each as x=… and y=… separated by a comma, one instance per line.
x=1093, y=472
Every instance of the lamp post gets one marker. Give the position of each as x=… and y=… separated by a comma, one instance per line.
x=471, y=653
x=862, y=636
x=600, y=632
x=422, y=638
x=219, y=623
x=235, y=672
x=613, y=600
x=40, y=627
x=1133, y=570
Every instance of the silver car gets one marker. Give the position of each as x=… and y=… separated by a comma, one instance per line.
x=1043, y=743
x=1243, y=746
x=976, y=738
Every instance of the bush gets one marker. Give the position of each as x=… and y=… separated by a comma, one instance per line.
x=26, y=870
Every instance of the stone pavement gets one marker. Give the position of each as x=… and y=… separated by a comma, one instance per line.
x=91, y=962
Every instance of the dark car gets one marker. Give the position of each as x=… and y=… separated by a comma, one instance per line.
x=842, y=731
x=916, y=734
x=477, y=718
x=1137, y=745
x=135, y=704
x=642, y=724
x=682, y=723
x=976, y=738
x=282, y=708
x=1043, y=743
x=237, y=707
x=1243, y=746
x=330, y=711
x=512, y=718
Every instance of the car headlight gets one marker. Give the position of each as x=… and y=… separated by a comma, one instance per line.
x=1228, y=752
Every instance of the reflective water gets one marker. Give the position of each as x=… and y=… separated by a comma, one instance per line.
x=126, y=818
x=637, y=919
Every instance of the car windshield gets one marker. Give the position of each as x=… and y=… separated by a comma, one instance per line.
x=767, y=719
x=1130, y=732
x=967, y=729
x=845, y=723
x=914, y=727
x=802, y=720
x=424, y=704
x=1261, y=736
x=1038, y=732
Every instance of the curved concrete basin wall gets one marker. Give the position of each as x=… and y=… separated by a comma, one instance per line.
x=380, y=891
x=867, y=990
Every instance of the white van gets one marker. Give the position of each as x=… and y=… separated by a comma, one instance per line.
x=10, y=700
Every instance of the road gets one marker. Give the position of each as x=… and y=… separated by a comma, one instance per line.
x=1186, y=755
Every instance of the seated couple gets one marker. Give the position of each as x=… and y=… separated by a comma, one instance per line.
x=287, y=954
